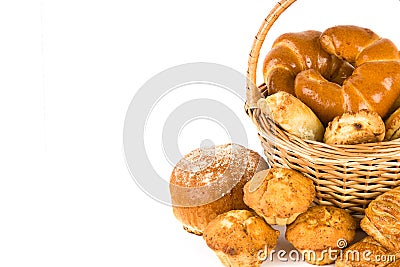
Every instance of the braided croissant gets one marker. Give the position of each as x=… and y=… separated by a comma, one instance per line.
x=318, y=69
x=292, y=53
x=374, y=84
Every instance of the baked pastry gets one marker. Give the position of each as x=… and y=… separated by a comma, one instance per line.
x=396, y=104
x=392, y=125
x=367, y=252
x=279, y=195
x=374, y=83
x=319, y=229
x=209, y=181
x=382, y=220
x=292, y=115
x=292, y=53
x=394, y=263
x=239, y=237
x=352, y=128
x=357, y=45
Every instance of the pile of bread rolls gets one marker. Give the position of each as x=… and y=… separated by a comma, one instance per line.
x=341, y=86
x=227, y=194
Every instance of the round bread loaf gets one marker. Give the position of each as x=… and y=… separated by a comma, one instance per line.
x=209, y=181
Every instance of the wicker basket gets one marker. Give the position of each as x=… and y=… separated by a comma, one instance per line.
x=347, y=176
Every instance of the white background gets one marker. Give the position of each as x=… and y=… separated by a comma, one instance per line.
x=68, y=71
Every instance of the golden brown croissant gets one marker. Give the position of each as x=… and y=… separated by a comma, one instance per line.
x=292, y=53
x=382, y=220
x=374, y=84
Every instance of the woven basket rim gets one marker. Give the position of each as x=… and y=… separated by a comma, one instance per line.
x=320, y=152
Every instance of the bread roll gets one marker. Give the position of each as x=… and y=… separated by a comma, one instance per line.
x=355, y=128
x=292, y=115
x=281, y=195
x=319, y=229
x=209, y=181
x=239, y=237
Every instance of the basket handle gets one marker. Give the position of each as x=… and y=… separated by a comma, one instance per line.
x=253, y=94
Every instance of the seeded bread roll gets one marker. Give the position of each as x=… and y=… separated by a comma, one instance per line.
x=239, y=237
x=279, y=195
x=292, y=115
x=319, y=229
x=382, y=220
x=353, y=128
x=209, y=181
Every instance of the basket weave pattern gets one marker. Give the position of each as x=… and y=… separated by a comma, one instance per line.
x=348, y=176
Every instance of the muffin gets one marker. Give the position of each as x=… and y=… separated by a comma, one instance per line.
x=367, y=252
x=382, y=220
x=320, y=232
x=209, y=181
x=353, y=128
x=239, y=237
x=279, y=195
